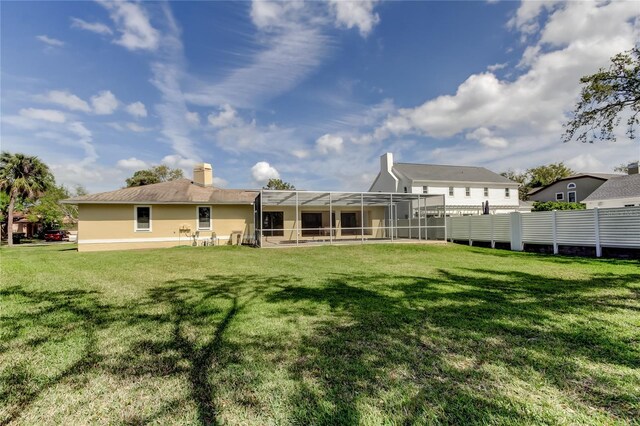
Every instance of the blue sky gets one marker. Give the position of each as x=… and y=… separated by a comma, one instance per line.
x=311, y=92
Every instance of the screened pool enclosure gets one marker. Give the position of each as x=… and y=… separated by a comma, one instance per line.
x=313, y=217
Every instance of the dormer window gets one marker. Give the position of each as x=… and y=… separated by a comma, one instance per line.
x=571, y=186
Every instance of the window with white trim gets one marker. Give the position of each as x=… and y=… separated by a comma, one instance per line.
x=204, y=218
x=559, y=196
x=467, y=192
x=486, y=192
x=571, y=186
x=143, y=218
x=425, y=189
x=451, y=191
x=571, y=195
x=507, y=193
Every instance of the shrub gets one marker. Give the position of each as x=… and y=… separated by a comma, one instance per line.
x=547, y=206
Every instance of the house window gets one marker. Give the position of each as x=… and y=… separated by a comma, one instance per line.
x=451, y=191
x=425, y=189
x=273, y=224
x=571, y=195
x=571, y=186
x=405, y=189
x=143, y=218
x=467, y=192
x=559, y=196
x=486, y=192
x=204, y=218
x=507, y=193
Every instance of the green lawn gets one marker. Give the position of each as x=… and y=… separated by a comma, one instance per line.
x=377, y=334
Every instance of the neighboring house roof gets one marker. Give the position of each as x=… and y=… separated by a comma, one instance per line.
x=625, y=186
x=602, y=176
x=438, y=172
x=180, y=191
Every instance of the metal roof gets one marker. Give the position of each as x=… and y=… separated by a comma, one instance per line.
x=626, y=186
x=444, y=173
x=180, y=191
x=319, y=198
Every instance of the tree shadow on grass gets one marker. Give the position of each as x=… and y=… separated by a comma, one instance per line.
x=446, y=348
x=443, y=338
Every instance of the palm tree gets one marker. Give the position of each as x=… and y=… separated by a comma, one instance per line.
x=22, y=176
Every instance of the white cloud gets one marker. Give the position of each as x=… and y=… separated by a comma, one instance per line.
x=50, y=41
x=132, y=22
x=95, y=27
x=227, y=116
x=135, y=127
x=486, y=138
x=300, y=153
x=327, y=143
x=192, y=117
x=584, y=162
x=496, y=67
x=132, y=164
x=137, y=109
x=538, y=99
x=66, y=99
x=178, y=161
x=220, y=182
x=51, y=115
x=358, y=14
x=104, y=103
x=263, y=171
x=290, y=44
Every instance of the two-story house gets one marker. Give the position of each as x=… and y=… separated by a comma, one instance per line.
x=572, y=189
x=465, y=188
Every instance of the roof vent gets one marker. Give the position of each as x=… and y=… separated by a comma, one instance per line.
x=203, y=174
x=633, y=168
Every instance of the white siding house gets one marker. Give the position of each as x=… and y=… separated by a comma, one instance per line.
x=620, y=191
x=465, y=188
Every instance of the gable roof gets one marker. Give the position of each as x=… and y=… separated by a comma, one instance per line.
x=602, y=176
x=622, y=186
x=180, y=191
x=439, y=172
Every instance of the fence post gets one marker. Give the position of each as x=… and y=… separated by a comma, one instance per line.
x=470, y=239
x=493, y=241
x=516, y=231
x=596, y=216
x=554, y=228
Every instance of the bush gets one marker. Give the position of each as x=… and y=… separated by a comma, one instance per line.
x=547, y=206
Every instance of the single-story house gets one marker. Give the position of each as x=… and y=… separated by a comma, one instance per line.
x=188, y=211
x=465, y=188
x=572, y=189
x=620, y=191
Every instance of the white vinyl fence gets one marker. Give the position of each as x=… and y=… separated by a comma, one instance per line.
x=619, y=228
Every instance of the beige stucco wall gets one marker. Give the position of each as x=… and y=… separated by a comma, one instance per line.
x=112, y=227
x=374, y=218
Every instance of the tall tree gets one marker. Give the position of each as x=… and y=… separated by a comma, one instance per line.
x=537, y=176
x=622, y=168
x=606, y=97
x=22, y=176
x=546, y=175
x=155, y=174
x=279, y=184
x=49, y=210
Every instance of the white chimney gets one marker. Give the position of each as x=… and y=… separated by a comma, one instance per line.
x=203, y=174
x=386, y=162
x=633, y=168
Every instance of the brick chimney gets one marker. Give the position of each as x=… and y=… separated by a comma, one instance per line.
x=203, y=174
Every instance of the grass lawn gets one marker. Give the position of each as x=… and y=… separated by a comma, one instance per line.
x=377, y=334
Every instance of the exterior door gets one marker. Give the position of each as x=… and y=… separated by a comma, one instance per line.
x=311, y=224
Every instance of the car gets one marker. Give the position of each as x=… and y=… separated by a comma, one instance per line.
x=56, y=235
